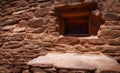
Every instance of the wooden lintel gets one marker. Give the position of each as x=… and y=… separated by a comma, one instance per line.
x=89, y=6
x=74, y=14
x=80, y=21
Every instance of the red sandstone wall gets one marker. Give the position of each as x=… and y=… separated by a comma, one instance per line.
x=28, y=29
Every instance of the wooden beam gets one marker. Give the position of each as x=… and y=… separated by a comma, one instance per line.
x=76, y=10
x=77, y=21
x=74, y=14
x=90, y=6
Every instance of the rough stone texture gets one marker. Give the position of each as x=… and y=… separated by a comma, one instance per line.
x=112, y=23
x=100, y=41
x=35, y=23
x=116, y=27
x=114, y=41
x=18, y=29
x=84, y=62
x=110, y=34
x=67, y=40
x=111, y=6
x=23, y=23
x=27, y=15
x=7, y=28
x=29, y=28
x=41, y=12
x=10, y=22
x=110, y=17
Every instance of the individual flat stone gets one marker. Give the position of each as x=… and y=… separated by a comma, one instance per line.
x=67, y=40
x=76, y=61
x=61, y=61
x=35, y=23
x=113, y=69
x=114, y=41
x=99, y=41
x=10, y=22
x=41, y=12
x=45, y=4
x=116, y=27
x=23, y=23
x=109, y=34
x=5, y=28
x=110, y=49
x=19, y=29
x=110, y=17
x=27, y=15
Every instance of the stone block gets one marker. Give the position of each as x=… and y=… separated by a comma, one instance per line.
x=35, y=36
x=10, y=22
x=113, y=69
x=50, y=70
x=23, y=23
x=109, y=34
x=45, y=4
x=63, y=71
x=7, y=11
x=112, y=23
x=38, y=71
x=4, y=69
x=15, y=37
x=2, y=19
x=110, y=49
x=116, y=27
x=52, y=29
x=90, y=0
x=110, y=17
x=27, y=15
x=35, y=23
x=41, y=12
x=30, y=46
x=67, y=40
x=12, y=45
x=81, y=48
x=16, y=70
x=60, y=49
x=47, y=44
x=38, y=30
x=110, y=6
x=75, y=63
x=98, y=48
x=99, y=41
x=8, y=27
x=25, y=71
x=56, y=34
x=114, y=41
x=116, y=8
x=19, y=29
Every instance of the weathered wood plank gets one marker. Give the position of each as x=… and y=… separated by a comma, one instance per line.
x=81, y=6
x=74, y=14
x=77, y=21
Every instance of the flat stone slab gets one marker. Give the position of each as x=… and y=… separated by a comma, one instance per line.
x=75, y=61
x=67, y=40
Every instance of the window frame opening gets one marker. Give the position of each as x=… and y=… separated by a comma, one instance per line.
x=68, y=14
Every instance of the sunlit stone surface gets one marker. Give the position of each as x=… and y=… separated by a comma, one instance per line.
x=75, y=61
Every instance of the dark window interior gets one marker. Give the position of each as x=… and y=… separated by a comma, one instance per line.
x=77, y=27
x=78, y=20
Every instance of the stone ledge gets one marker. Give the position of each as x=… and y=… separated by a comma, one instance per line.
x=77, y=62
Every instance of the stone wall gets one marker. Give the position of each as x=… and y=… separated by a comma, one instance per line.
x=110, y=29
x=28, y=28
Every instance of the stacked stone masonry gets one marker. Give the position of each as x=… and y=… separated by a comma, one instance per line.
x=29, y=28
